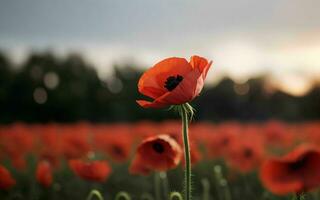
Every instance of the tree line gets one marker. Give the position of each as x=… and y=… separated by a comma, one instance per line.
x=46, y=88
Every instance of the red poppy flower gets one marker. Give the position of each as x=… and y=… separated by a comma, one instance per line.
x=115, y=141
x=44, y=173
x=295, y=172
x=77, y=145
x=219, y=144
x=97, y=171
x=17, y=141
x=159, y=153
x=309, y=132
x=246, y=155
x=118, y=148
x=173, y=81
x=6, y=180
x=50, y=145
x=277, y=134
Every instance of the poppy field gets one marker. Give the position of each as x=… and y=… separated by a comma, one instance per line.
x=162, y=160
x=160, y=100
x=231, y=160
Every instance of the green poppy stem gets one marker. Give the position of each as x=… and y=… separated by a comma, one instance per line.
x=165, y=184
x=221, y=184
x=175, y=196
x=146, y=196
x=122, y=195
x=95, y=193
x=206, y=189
x=184, y=117
x=157, y=186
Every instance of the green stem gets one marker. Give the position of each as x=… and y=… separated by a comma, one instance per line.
x=123, y=195
x=157, y=187
x=247, y=187
x=175, y=196
x=146, y=196
x=206, y=189
x=165, y=185
x=221, y=183
x=94, y=193
x=184, y=116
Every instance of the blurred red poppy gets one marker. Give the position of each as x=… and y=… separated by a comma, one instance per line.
x=246, y=155
x=75, y=143
x=219, y=144
x=311, y=132
x=44, y=173
x=159, y=153
x=97, y=171
x=50, y=145
x=6, y=180
x=16, y=142
x=173, y=81
x=295, y=172
x=277, y=134
x=115, y=141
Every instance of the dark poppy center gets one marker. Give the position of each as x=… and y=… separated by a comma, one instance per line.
x=158, y=147
x=225, y=141
x=299, y=164
x=248, y=153
x=117, y=150
x=172, y=82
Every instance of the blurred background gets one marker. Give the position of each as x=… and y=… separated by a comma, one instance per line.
x=69, y=61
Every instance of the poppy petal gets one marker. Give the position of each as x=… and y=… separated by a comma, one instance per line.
x=165, y=157
x=44, y=173
x=149, y=104
x=6, y=181
x=273, y=176
x=295, y=172
x=188, y=89
x=91, y=170
x=201, y=64
x=198, y=62
x=152, y=81
x=151, y=91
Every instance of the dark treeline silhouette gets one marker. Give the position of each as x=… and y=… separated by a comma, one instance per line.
x=46, y=88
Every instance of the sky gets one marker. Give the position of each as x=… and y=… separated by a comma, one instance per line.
x=244, y=38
